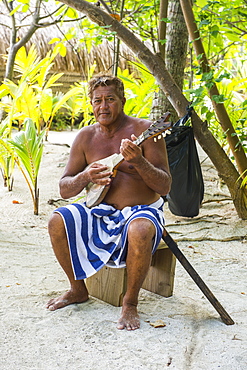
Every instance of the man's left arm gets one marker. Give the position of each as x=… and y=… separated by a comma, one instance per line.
x=150, y=162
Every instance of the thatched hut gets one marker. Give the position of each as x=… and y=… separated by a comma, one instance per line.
x=78, y=60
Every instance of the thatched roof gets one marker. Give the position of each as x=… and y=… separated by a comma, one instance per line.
x=77, y=59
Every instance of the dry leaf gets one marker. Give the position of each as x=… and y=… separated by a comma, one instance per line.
x=116, y=16
x=158, y=324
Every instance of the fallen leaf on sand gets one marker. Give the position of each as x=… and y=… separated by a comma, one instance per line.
x=16, y=202
x=158, y=324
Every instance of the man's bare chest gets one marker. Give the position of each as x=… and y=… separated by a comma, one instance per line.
x=105, y=149
x=98, y=150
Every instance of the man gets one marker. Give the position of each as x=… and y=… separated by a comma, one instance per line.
x=127, y=226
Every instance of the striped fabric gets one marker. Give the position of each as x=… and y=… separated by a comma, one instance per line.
x=97, y=236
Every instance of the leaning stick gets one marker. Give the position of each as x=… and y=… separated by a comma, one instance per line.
x=197, y=279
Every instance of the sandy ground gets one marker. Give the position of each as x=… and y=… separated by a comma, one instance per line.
x=84, y=336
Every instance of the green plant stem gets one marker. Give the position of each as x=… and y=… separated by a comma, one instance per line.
x=28, y=183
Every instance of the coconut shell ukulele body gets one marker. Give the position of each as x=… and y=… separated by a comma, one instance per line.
x=95, y=192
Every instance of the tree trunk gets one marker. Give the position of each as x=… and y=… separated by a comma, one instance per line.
x=160, y=104
x=14, y=44
x=225, y=122
x=156, y=65
x=177, y=43
x=176, y=46
x=162, y=26
x=175, y=54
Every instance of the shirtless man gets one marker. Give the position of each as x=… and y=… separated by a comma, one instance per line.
x=141, y=178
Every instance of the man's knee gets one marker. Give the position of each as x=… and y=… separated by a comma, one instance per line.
x=141, y=229
x=56, y=225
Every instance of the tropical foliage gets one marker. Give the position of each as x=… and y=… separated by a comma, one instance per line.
x=222, y=26
x=221, y=29
x=6, y=156
x=30, y=104
x=28, y=146
x=31, y=96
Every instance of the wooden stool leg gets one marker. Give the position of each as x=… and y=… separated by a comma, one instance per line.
x=160, y=277
x=108, y=284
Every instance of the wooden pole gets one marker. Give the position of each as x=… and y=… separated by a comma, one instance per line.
x=197, y=279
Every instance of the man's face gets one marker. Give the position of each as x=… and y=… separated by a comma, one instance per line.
x=107, y=106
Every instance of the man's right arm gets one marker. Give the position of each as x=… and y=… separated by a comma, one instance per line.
x=73, y=185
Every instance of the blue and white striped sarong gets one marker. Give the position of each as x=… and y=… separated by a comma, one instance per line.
x=98, y=236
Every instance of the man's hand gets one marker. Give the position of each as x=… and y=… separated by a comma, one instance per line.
x=131, y=152
x=99, y=174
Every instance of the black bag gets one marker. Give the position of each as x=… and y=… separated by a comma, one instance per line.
x=187, y=189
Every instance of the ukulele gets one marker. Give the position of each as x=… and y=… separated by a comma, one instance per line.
x=95, y=193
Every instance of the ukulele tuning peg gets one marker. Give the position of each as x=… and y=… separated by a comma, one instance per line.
x=155, y=139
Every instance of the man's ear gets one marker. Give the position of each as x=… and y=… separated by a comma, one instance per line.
x=124, y=100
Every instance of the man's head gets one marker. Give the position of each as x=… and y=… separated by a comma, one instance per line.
x=105, y=79
x=106, y=93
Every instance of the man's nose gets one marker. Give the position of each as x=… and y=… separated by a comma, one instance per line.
x=104, y=103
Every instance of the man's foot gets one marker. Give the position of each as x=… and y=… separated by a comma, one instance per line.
x=129, y=318
x=66, y=299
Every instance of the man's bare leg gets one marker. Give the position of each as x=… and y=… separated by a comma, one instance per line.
x=140, y=235
x=78, y=292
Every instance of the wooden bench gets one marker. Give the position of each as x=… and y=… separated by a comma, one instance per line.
x=109, y=284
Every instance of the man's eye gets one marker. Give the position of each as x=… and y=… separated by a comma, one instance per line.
x=96, y=101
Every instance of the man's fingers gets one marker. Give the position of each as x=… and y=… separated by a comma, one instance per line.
x=130, y=150
x=100, y=174
x=99, y=166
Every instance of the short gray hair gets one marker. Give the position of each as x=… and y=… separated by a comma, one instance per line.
x=106, y=79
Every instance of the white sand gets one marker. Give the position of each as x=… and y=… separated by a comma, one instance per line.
x=84, y=336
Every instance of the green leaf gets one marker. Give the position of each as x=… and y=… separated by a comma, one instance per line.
x=219, y=98
x=29, y=148
x=25, y=8
x=214, y=31
x=71, y=13
x=233, y=36
x=207, y=76
x=55, y=39
x=166, y=20
x=46, y=106
x=162, y=42
x=201, y=3
x=62, y=50
x=61, y=10
x=199, y=91
x=204, y=109
x=15, y=10
x=222, y=76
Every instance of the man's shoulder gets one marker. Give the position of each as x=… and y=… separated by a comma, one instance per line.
x=87, y=130
x=84, y=136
